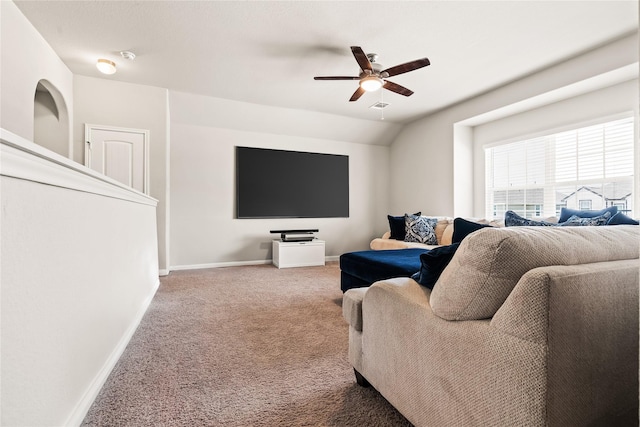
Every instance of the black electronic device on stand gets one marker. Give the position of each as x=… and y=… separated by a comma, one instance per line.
x=305, y=235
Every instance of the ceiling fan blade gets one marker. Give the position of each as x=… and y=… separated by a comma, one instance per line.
x=357, y=94
x=394, y=87
x=337, y=78
x=406, y=67
x=361, y=57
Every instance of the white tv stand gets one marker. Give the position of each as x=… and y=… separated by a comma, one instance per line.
x=298, y=254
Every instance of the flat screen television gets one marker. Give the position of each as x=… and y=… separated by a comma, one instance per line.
x=291, y=184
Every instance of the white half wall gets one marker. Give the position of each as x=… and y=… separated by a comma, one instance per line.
x=204, y=231
x=79, y=268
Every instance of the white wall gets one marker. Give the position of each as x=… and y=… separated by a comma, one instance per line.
x=204, y=132
x=26, y=59
x=111, y=103
x=425, y=153
x=79, y=268
x=47, y=129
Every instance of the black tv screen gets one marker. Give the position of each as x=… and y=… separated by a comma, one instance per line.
x=291, y=184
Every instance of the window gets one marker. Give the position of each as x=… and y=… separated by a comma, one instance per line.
x=584, y=204
x=587, y=168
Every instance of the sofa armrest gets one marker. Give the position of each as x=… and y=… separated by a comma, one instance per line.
x=379, y=244
x=525, y=312
x=352, y=307
x=587, y=317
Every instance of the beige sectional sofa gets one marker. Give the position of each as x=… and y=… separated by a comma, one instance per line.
x=526, y=326
x=444, y=233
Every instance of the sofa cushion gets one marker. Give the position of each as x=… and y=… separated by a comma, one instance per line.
x=371, y=266
x=432, y=264
x=489, y=263
x=441, y=230
x=566, y=213
x=397, y=226
x=347, y=281
x=420, y=229
x=512, y=219
x=620, y=218
x=447, y=234
x=462, y=228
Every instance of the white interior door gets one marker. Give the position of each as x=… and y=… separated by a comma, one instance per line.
x=121, y=154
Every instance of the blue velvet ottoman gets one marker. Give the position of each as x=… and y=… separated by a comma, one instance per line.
x=362, y=268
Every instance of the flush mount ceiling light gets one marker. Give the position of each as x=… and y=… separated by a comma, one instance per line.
x=371, y=83
x=105, y=66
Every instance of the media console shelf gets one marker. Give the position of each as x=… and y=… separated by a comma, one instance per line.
x=298, y=254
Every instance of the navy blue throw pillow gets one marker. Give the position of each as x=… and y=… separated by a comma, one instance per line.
x=620, y=219
x=512, y=219
x=566, y=213
x=396, y=226
x=462, y=228
x=433, y=263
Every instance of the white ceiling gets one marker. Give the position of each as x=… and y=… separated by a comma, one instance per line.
x=267, y=52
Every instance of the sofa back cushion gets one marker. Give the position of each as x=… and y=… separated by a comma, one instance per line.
x=441, y=227
x=489, y=262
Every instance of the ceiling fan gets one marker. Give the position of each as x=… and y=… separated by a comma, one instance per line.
x=373, y=78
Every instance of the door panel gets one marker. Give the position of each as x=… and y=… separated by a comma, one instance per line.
x=120, y=154
x=118, y=161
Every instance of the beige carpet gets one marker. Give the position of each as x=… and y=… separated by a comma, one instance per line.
x=241, y=346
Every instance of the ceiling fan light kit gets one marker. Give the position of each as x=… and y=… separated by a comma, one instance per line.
x=371, y=83
x=372, y=78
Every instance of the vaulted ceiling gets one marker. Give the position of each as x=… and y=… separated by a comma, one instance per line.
x=267, y=52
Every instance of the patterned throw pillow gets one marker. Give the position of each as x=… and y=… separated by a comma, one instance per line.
x=575, y=220
x=512, y=219
x=420, y=229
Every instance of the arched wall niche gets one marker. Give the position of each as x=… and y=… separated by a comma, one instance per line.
x=51, y=119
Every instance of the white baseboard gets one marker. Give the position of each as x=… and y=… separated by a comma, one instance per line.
x=218, y=264
x=82, y=407
x=163, y=272
x=232, y=264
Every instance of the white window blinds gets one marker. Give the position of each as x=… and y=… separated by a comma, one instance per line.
x=593, y=165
